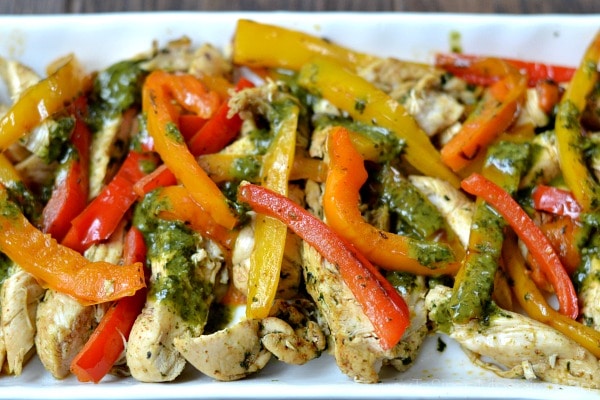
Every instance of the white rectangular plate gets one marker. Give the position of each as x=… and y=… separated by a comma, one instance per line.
x=99, y=40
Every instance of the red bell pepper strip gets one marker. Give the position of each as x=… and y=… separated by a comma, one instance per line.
x=189, y=124
x=162, y=114
x=59, y=267
x=538, y=245
x=102, y=216
x=220, y=130
x=556, y=201
x=382, y=304
x=70, y=193
x=160, y=177
x=105, y=345
x=460, y=66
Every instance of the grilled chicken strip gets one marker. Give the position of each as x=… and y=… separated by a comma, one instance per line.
x=63, y=324
x=520, y=347
x=184, y=270
x=353, y=341
x=20, y=296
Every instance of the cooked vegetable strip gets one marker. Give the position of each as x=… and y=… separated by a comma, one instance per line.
x=102, y=216
x=42, y=100
x=107, y=342
x=71, y=187
x=569, y=139
x=219, y=130
x=341, y=201
x=557, y=201
x=534, y=303
x=157, y=102
x=531, y=235
x=261, y=45
x=269, y=233
x=474, y=283
x=59, y=267
x=460, y=65
x=382, y=304
x=160, y=177
x=496, y=112
x=176, y=203
x=364, y=103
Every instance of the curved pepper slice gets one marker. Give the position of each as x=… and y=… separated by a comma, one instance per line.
x=340, y=203
x=531, y=235
x=569, y=140
x=59, y=267
x=381, y=303
x=41, y=100
x=162, y=114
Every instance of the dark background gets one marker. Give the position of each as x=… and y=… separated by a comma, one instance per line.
x=461, y=6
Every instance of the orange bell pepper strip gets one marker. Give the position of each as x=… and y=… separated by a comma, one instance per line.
x=175, y=203
x=496, y=112
x=41, y=100
x=369, y=105
x=106, y=344
x=569, y=140
x=381, y=303
x=59, y=267
x=460, y=65
x=531, y=235
x=162, y=115
x=341, y=199
x=70, y=193
x=535, y=305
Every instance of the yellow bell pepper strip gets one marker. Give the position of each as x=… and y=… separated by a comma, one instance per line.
x=530, y=234
x=41, y=100
x=533, y=302
x=496, y=112
x=380, y=301
x=175, y=203
x=341, y=199
x=106, y=344
x=59, y=267
x=162, y=114
x=473, y=286
x=569, y=140
x=222, y=167
x=258, y=45
x=269, y=233
x=369, y=105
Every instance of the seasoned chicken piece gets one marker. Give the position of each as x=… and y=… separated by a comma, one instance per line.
x=395, y=76
x=514, y=346
x=452, y=203
x=353, y=342
x=208, y=60
x=229, y=354
x=63, y=324
x=240, y=257
x=433, y=109
x=292, y=333
x=589, y=295
x=184, y=270
x=19, y=297
x=531, y=112
x=17, y=77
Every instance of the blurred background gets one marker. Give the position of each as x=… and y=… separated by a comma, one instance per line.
x=461, y=6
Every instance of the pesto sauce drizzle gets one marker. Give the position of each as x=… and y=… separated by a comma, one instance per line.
x=173, y=244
